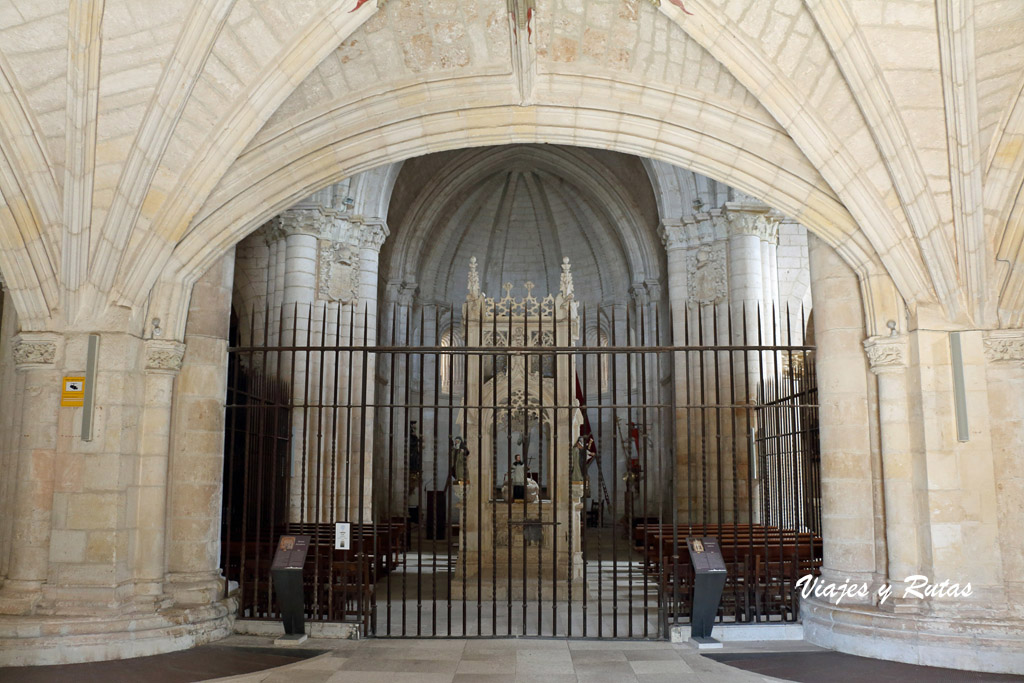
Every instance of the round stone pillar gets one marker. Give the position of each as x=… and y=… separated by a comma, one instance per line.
x=846, y=423
x=888, y=359
x=38, y=388
x=1004, y=353
x=197, y=446
x=163, y=361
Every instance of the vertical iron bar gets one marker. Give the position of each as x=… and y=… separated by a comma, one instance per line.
x=449, y=516
x=435, y=503
x=319, y=609
x=407, y=356
x=421, y=512
x=305, y=410
x=645, y=459
x=630, y=444
x=364, y=380
x=600, y=464
x=391, y=457
x=584, y=400
x=615, y=479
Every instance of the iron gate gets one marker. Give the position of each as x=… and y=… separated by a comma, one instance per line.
x=714, y=436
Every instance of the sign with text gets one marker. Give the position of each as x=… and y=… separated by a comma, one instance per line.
x=342, y=535
x=291, y=552
x=72, y=393
x=705, y=555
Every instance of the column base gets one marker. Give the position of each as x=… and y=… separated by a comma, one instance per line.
x=970, y=643
x=20, y=597
x=195, y=588
x=45, y=640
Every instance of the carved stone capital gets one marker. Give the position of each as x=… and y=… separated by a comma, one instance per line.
x=35, y=350
x=301, y=222
x=639, y=294
x=653, y=290
x=673, y=235
x=371, y=234
x=1005, y=346
x=752, y=219
x=164, y=356
x=694, y=230
x=886, y=354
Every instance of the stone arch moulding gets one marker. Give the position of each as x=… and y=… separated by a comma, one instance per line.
x=290, y=163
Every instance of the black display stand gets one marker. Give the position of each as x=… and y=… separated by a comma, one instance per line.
x=709, y=580
x=286, y=572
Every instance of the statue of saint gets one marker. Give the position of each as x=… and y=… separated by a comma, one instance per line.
x=578, y=460
x=518, y=478
x=415, y=458
x=458, y=458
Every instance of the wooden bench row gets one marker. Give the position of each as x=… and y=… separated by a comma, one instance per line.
x=762, y=563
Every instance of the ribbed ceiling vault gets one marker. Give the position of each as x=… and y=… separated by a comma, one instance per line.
x=519, y=210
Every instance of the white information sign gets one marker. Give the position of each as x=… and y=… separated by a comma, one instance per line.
x=342, y=535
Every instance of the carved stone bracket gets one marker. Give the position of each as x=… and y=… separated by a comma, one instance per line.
x=886, y=354
x=35, y=350
x=1005, y=346
x=164, y=356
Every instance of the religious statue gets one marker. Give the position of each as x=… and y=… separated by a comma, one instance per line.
x=577, y=460
x=415, y=458
x=523, y=487
x=458, y=457
x=518, y=478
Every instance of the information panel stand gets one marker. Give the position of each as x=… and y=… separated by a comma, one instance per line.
x=286, y=572
x=709, y=570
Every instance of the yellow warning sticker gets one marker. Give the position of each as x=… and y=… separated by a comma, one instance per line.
x=73, y=392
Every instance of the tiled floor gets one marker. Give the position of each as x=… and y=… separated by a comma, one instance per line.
x=501, y=661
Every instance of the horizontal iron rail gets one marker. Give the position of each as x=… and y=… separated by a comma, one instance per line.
x=518, y=350
x=533, y=406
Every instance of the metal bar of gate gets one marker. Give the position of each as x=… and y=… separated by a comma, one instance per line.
x=777, y=401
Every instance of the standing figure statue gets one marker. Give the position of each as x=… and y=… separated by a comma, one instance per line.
x=415, y=458
x=518, y=478
x=458, y=457
x=578, y=460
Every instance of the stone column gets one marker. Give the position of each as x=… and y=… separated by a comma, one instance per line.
x=163, y=361
x=301, y=228
x=845, y=422
x=398, y=302
x=673, y=236
x=888, y=357
x=372, y=234
x=753, y=232
x=38, y=388
x=750, y=228
x=197, y=445
x=1004, y=352
x=9, y=415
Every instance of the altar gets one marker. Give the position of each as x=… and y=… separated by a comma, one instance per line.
x=520, y=401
